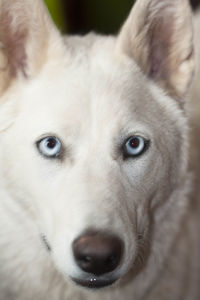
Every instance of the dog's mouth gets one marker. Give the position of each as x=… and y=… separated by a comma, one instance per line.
x=94, y=283
x=45, y=242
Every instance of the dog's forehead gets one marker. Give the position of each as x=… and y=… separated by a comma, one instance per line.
x=91, y=85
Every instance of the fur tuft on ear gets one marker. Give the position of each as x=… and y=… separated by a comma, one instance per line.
x=25, y=34
x=158, y=35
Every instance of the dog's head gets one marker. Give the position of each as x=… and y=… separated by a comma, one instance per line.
x=93, y=132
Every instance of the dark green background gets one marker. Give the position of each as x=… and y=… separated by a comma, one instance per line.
x=82, y=16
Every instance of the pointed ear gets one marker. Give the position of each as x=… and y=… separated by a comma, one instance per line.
x=26, y=32
x=158, y=35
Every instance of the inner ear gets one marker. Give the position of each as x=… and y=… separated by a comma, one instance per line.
x=158, y=35
x=27, y=34
x=13, y=45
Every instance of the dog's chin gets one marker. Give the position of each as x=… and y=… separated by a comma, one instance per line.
x=94, y=283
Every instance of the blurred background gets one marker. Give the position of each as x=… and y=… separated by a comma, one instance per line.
x=82, y=16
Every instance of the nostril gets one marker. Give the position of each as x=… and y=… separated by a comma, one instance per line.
x=84, y=261
x=111, y=260
x=97, y=253
x=87, y=259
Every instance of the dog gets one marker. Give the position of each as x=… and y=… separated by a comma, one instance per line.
x=99, y=157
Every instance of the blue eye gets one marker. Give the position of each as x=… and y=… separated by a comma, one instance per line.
x=135, y=146
x=49, y=147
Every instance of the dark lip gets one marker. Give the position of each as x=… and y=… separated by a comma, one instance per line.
x=45, y=242
x=93, y=283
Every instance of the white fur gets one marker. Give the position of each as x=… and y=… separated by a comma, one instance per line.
x=93, y=96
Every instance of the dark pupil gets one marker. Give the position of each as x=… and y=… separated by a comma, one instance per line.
x=51, y=143
x=134, y=143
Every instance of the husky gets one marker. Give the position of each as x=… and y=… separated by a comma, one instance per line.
x=99, y=157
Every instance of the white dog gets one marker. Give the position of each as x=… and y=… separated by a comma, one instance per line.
x=95, y=185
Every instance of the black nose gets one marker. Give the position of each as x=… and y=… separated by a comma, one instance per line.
x=97, y=253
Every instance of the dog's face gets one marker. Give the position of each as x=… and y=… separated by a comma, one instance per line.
x=92, y=138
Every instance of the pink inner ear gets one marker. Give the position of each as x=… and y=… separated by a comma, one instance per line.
x=160, y=34
x=13, y=38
